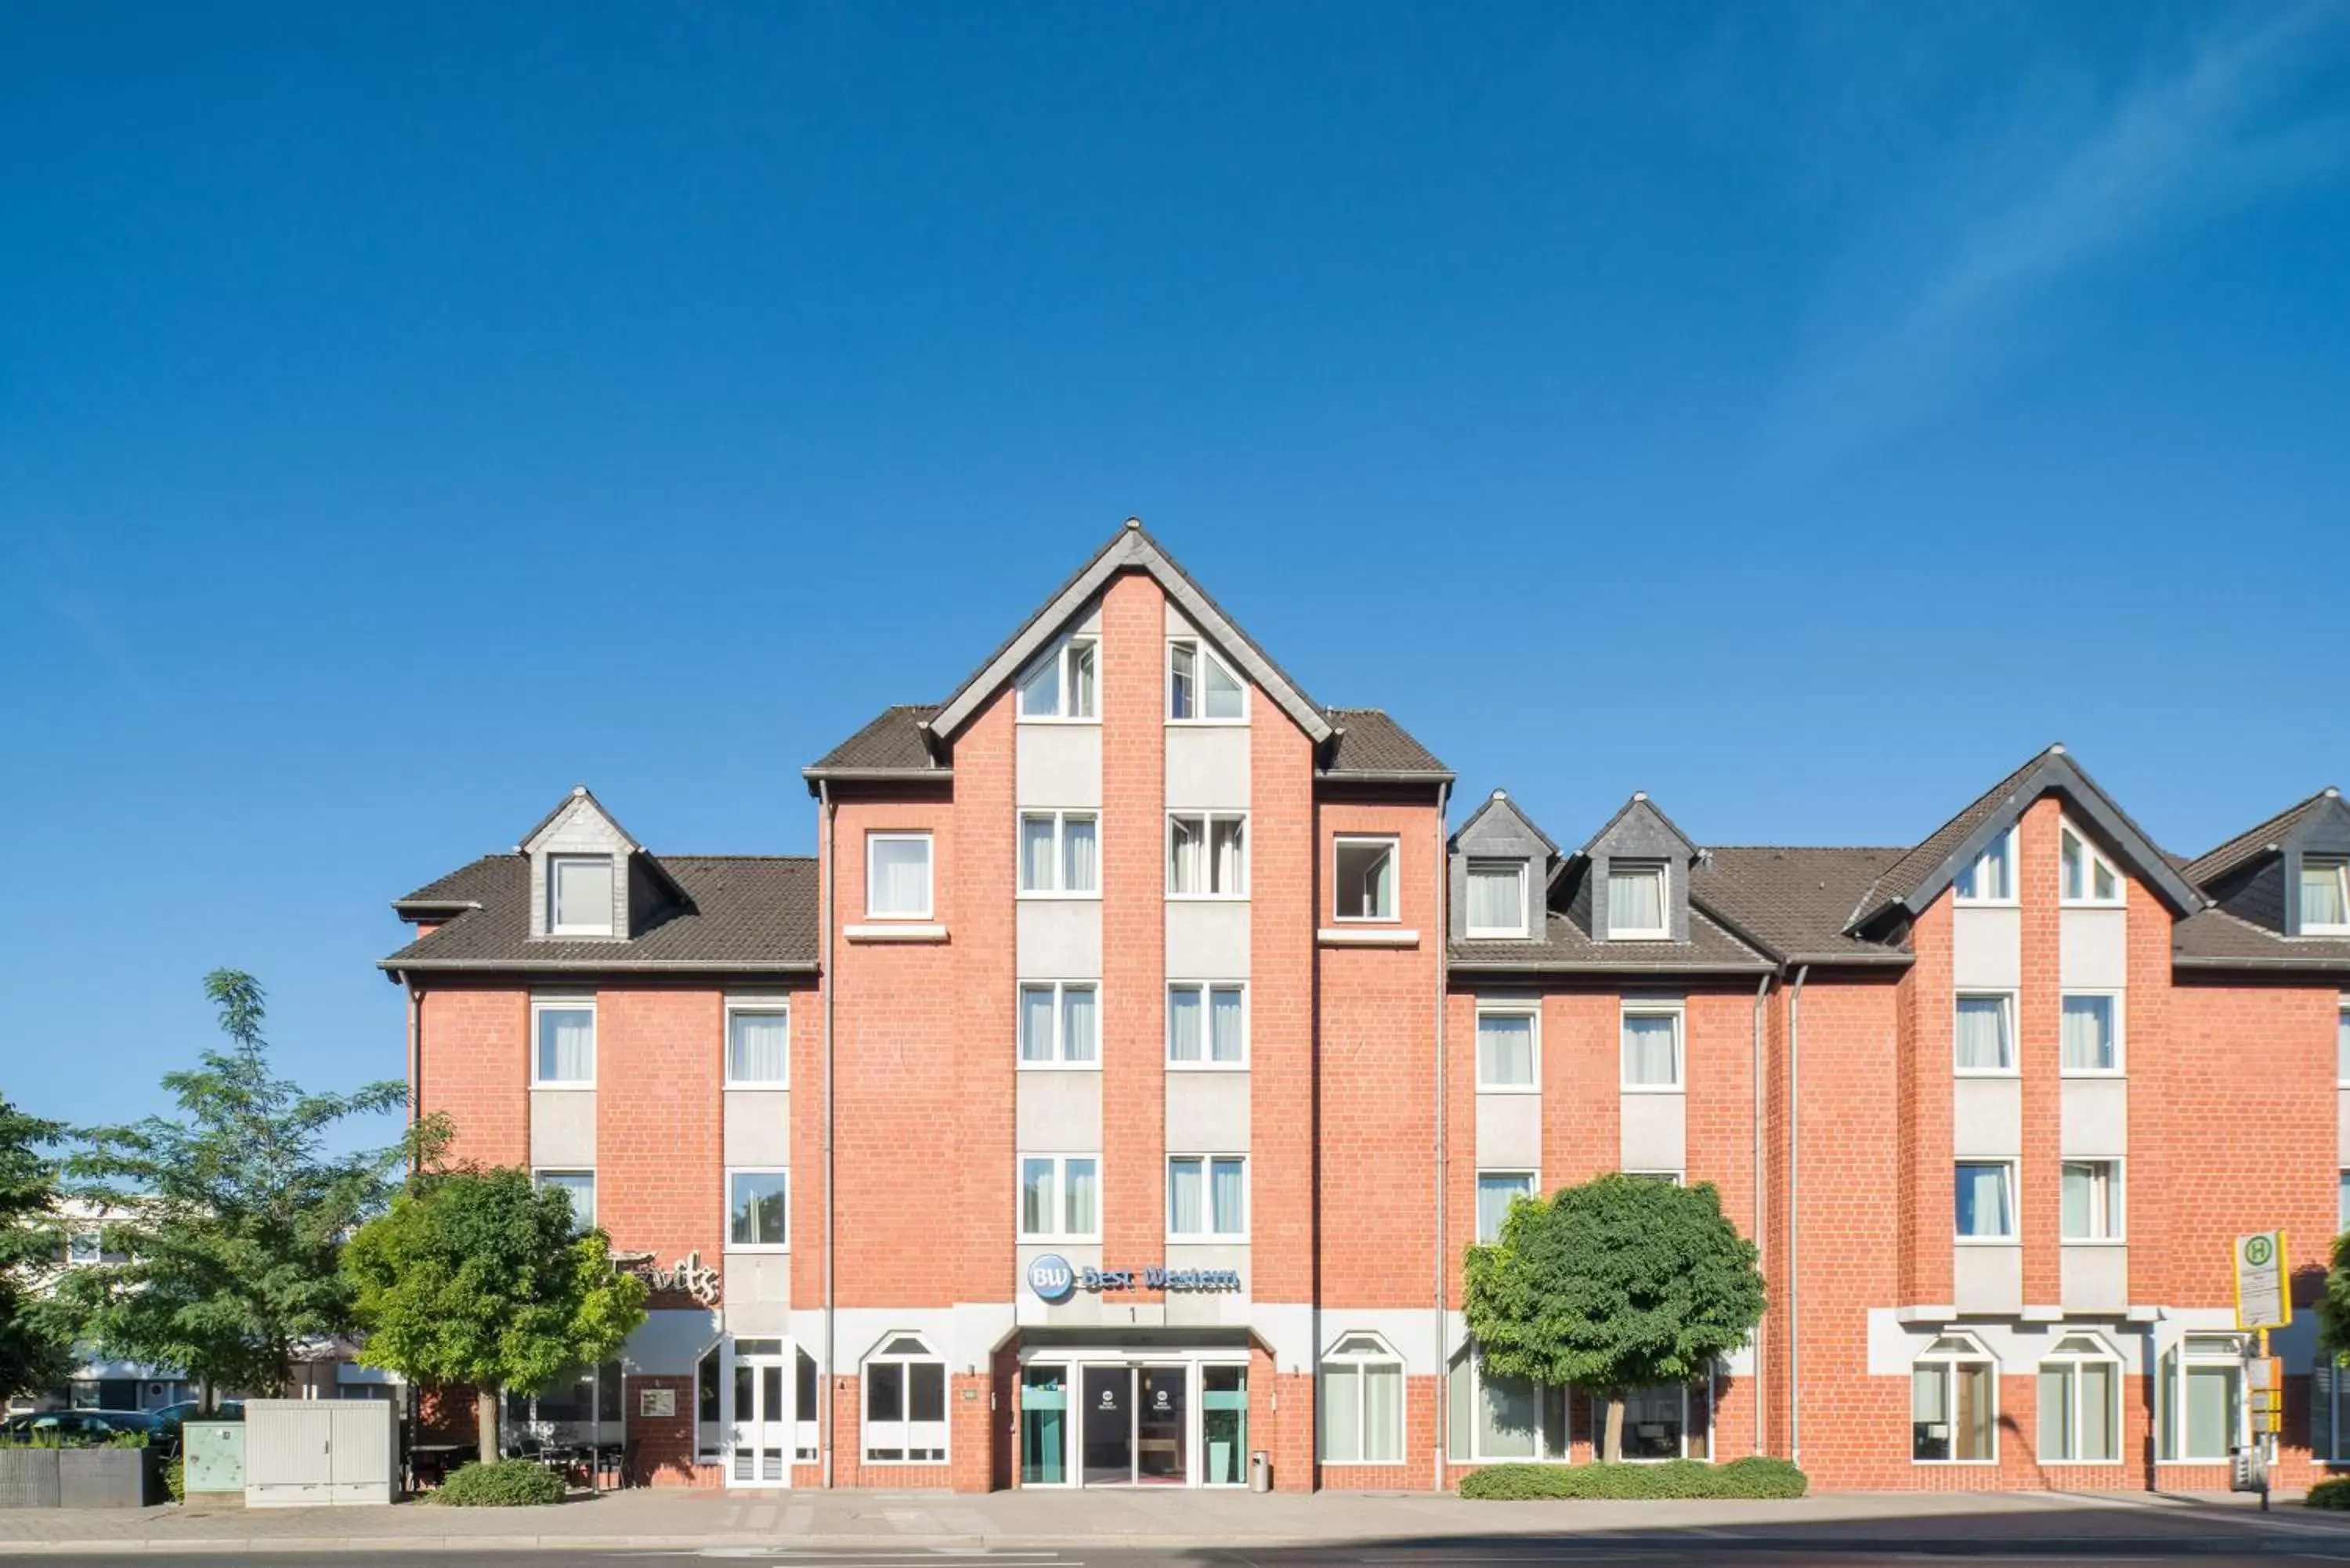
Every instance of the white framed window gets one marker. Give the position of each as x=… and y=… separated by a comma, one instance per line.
x=1986, y=1200
x=2341, y=1202
x=579, y=895
x=579, y=1186
x=1207, y=1196
x=1496, y=1417
x=1984, y=1034
x=1497, y=899
x=2199, y=1399
x=1063, y=684
x=758, y=1043
x=1989, y=879
x=1954, y=1403
x=1060, y=1198
x=2342, y=1046
x=2081, y=1403
x=1060, y=1024
x=758, y=1205
x=1363, y=878
x=563, y=1042
x=1497, y=1190
x=1060, y=854
x=2093, y=1208
x=2092, y=1032
x=2085, y=876
x=905, y=1390
x=2325, y=895
x=1509, y=1049
x=2329, y=1410
x=1200, y=687
x=1207, y=1023
x=1637, y=906
x=1359, y=1416
x=84, y=1249
x=898, y=876
x=1669, y=1177
x=1207, y=855
x=1657, y=1425
x=1652, y=1047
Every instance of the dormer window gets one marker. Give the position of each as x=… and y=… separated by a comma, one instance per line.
x=1062, y=685
x=1497, y=899
x=1200, y=688
x=579, y=895
x=2088, y=876
x=2325, y=895
x=1636, y=899
x=1990, y=880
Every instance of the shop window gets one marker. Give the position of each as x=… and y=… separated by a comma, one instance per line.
x=1661, y=1422
x=905, y=1404
x=1494, y=1417
x=709, y=1426
x=1953, y=1402
x=2199, y=1399
x=2080, y=1403
x=584, y=1405
x=1360, y=1412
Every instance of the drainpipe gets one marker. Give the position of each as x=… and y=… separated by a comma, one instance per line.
x=825, y=806
x=1443, y=928
x=1794, y=1225
x=1762, y=990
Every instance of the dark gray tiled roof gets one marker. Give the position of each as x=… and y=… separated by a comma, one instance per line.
x=1910, y=872
x=2214, y=938
x=2252, y=843
x=1793, y=901
x=744, y=912
x=1566, y=944
x=1371, y=742
x=892, y=743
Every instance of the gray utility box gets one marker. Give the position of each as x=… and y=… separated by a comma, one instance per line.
x=318, y=1453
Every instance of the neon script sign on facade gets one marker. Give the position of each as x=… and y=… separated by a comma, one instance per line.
x=687, y=1276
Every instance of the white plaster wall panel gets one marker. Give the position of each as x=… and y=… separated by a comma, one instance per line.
x=1987, y=1118
x=1207, y=940
x=1210, y=1309
x=1988, y=1279
x=1286, y=1329
x=1986, y=948
x=758, y=1283
x=1412, y=1333
x=1508, y=1132
x=1058, y=765
x=1083, y=1309
x=1058, y=939
x=2095, y=1118
x=563, y=1129
x=2093, y=949
x=1653, y=1132
x=1177, y=623
x=1059, y=1111
x=1206, y=1112
x=1207, y=766
x=759, y=1126
x=2018, y=1347
x=2094, y=1279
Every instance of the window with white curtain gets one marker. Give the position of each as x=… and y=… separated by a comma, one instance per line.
x=1496, y=1417
x=1363, y=874
x=1061, y=684
x=1207, y=855
x=2092, y=1029
x=2085, y=875
x=563, y=1031
x=1507, y=1048
x=1060, y=1198
x=579, y=895
x=1207, y=1196
x=1497, y=899
x=1990, y=877
x=1200, y=687
x=905, y=1389
x=898, y=876
x=758, y=1044
x=2198, y=1400
x=1060, y=1024
x=1652, y=1046
x=758, y=1208
x=2324, y=894
x=2341, y=1047
x=1496, y=1190
x=1986, y=1200
x=579, y=1186
x=2081, y=1403
x=1636, y=899
x=1207, y=1023
x=1953, y=1402
x=1360, y=1411
x=2092, y=1200
x=1986, y=1033
x=1060, y=852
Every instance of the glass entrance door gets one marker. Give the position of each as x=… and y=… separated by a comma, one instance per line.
x=762, y=1430
x=1162, y=1426
x=1044, y=1426
x=1109, y=1425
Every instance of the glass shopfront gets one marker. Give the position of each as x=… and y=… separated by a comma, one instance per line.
x=1140, y=1419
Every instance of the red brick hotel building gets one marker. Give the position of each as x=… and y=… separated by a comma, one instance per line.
x=1115, y=1093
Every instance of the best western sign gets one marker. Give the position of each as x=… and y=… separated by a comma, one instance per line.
x=1055, y=1279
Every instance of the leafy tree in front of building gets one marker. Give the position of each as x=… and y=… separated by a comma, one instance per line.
x=33, y=1342
x=1623, y=1282
x=474, y=1277
x=227, y=1219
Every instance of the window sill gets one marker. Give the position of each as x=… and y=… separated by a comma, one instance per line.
x=1055, y=896
x=2091, y=904
x=757, y=1084
x=2008, y=1075
x=1207, y=897
x=1988, y=1241
x=1652, y=1089
x=2115, y=1242
x=1659, y=935
x=1518, y=935
x=759, y=1249
x=1060, y=1066
x=1956, y=902
x=1240, y=1241
x=1509, y=1088
x=1207, y=1066
x=896, y=932
x=1092, y=721
x=1368, y=936
x=1175, y=723
x=2115, y=1072
x=565, y=1084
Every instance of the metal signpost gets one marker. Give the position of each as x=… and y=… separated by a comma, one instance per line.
x=2264, y=1302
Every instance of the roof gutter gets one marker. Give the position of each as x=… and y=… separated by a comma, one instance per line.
x=818, y=776
x=1443, y=778
x=397, y=966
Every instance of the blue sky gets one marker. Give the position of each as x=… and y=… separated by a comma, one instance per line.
x=1802, y=413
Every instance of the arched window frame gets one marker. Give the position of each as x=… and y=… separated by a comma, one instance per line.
x=2065, y=1399
x=894, y=1382
x=1369, y=1362
x=1941, y=1367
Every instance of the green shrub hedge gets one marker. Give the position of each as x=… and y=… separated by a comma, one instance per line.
x=508, y=1483
x=2332, y=1492
x=175, y=1479
x=1752, y=1476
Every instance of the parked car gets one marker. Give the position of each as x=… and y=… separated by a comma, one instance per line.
x=192, y=1410
x=92, y=1427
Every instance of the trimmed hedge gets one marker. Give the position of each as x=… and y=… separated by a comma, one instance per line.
x=175, y=1479
x=508, y=1483
x=1755, y=1475
x=2332, y=1492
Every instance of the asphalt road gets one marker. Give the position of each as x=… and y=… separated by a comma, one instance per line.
x=1485, y=1554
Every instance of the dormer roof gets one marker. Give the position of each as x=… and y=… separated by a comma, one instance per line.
x=1509, y=821
x=1641, y=818
x=2320, y=812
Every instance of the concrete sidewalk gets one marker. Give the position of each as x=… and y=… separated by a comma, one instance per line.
x=1188, y=1522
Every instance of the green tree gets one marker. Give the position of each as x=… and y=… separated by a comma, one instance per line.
x=34, y=1345
x=1623, y=1282
x=231, y=1216
x=474, y=1277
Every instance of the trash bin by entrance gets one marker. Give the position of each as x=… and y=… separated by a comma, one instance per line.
x=1260, y=1471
